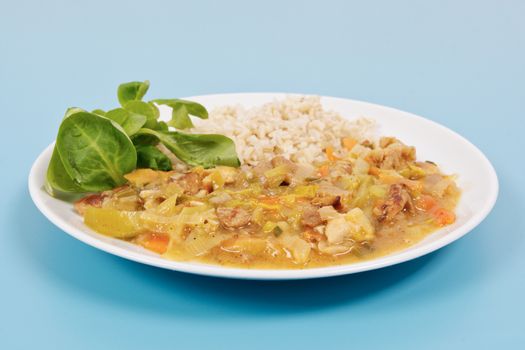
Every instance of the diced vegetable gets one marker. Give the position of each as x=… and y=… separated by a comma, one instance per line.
x=328, y=212
x=329, y=150
x=277, y=231
x=336, y=230
x=275, y=176
x=299, y=248
x=373, y=170
x=140, y=177
x=114, y=223
x=324, y=170
x=333, y=250
x=269, y=226
x=425, y=202
x=412, y=172
x=362, y=194
x=361, y=167
x=306, y=190
x=248, y=245
x=363, y=229
x=169, y=206
x=443, y=216
x=156, y=242
x=258, y=216
x=378, y=191
x=217, y=180
x=348, y=143
x=200, y=242
x=228, y=174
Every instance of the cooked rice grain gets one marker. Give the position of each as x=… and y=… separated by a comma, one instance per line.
x=297, y=128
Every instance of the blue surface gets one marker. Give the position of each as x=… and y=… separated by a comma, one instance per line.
x=460, y=63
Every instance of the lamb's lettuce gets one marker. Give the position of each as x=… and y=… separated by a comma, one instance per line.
x=132, y=91
x=149, y=156
x=130, y=122
x=94, y=151
x=206, y=150
x=181, y=111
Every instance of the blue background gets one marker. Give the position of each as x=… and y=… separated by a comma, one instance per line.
x=460, y=63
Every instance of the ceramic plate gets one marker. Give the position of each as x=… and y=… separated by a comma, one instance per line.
x=454, y=154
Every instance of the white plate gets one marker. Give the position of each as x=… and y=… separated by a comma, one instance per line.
x=454, y=154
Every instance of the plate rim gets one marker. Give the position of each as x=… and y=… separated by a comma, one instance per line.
x=276, y=274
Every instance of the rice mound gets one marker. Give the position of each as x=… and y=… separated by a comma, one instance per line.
x=296, y=127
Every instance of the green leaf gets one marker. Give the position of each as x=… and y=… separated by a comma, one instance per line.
x=72, y=110
x=161, y=126
x=181, y=111
x=95, y=151
x=132, y=91
x=151, y=157
x=130, y=122
x=155, y=109
x=134, y=123
x=118, y=115
x=99, y=112
x=145, y=109
x=180, y=118
x=207, y=150
x=194, y=108
x=58, y=180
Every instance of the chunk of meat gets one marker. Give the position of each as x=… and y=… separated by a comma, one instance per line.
x=398, y=200
x=233, y=217
x=94, y=200
x=190, y=183
x=311, y=217
x=392, y=154
x=367, y=144
x=328, y=194
x=324, y=200
x=397, y=156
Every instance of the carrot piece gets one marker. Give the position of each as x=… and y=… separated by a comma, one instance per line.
x=156, y=242
x=443, y=216
x=425, y=202
x=348, y=143
x=324, y=170
x=373, y=170
x=330, y=154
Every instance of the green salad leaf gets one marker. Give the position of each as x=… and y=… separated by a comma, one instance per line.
x=72, y=110
x=57, y=179
x=206, y=150
x=145, y=109
x=95, y=151
x=149, y=156
x=130, y=122
x=100, y=112
x=132, y=91
x=181, y=111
